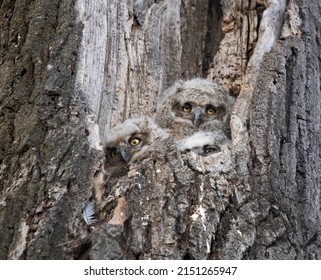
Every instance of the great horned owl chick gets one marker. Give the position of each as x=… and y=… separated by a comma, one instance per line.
x=203, y=143
x=207, y=151
x=194, y=105
x=128, y=141
x=132, y=140
x=124, y=144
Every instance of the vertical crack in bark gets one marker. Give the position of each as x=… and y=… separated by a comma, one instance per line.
x=214, y=34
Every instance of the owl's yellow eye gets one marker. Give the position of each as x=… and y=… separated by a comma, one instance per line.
x=112, y=153
x=210, y=110
x=187, y=107
x=134, y=141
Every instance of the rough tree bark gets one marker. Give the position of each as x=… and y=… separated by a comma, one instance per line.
x=69, y=69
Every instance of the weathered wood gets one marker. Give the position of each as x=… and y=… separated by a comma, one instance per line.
x=290, y=157
x=68, y=72
x=46, y=163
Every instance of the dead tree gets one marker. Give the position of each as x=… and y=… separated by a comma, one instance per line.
x=71, y=69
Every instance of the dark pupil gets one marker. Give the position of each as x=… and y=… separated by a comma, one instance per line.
x=134, y=141
x=186, y=107
x=210, y=110
x=113, y=153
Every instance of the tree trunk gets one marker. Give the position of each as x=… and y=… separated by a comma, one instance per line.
x=70, y=70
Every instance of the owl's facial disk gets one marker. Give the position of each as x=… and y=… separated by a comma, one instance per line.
x=198, y=114
x=126, y=150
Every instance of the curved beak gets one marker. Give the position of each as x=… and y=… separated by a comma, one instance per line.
x=125, y=155
x=197, y=118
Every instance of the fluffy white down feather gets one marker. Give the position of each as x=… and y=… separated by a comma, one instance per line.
x=201, y=139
